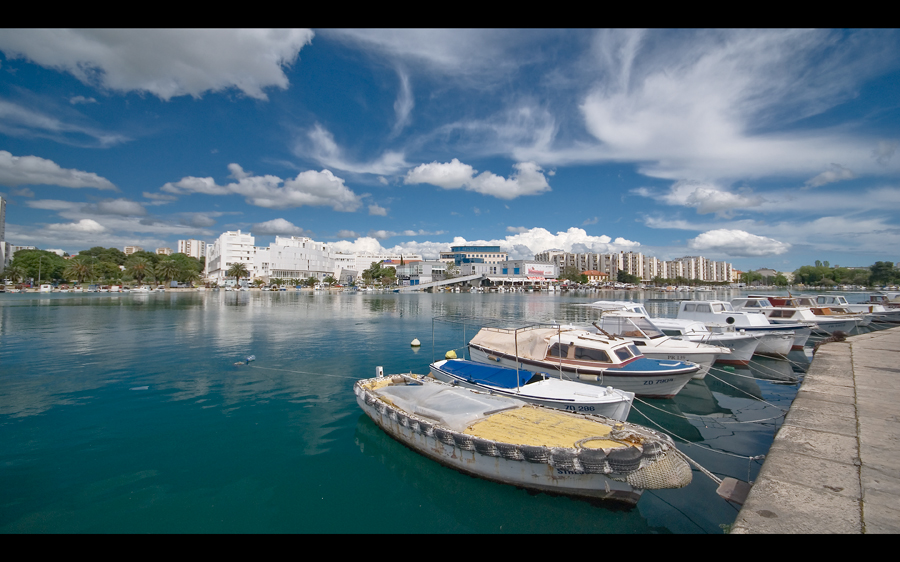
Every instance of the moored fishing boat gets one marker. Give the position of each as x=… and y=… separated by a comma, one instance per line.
x=741, y=344
x=535, y=388
x=508, y=441
x=584, y=356
x=779, y=340
x=653, y=343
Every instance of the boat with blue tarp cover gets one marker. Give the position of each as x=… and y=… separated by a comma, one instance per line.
x=535, y=387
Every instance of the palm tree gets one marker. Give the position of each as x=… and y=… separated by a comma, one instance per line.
x=238, y=271
x=139, y=268
x=167, y=269
x=14, y=273
x=78, y=268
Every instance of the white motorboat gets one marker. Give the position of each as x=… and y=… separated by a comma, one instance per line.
x=742, y=344
x=505, y=440
x=779, y=340
x=581, y=355
x=882, y=308
x=827, y=320
x=785, y=315
x=653, y=343
x=535, y=388
x=141, y=289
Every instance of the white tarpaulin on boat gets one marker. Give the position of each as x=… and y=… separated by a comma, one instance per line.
x=454, y=408
x=527, y=344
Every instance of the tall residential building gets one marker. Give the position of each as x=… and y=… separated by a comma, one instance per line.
x=132, y=249
x=193, y=248
x=230, y=247
x=645, y=267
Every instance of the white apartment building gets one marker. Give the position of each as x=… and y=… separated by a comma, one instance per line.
x=230, y=247
x=297, y=257
x=193, y=248
x=164, y=251
x=132, y=249
x=645, y=267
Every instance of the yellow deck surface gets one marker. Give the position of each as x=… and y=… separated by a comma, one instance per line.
x=541, y=426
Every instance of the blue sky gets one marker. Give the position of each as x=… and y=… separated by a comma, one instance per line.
x=765, y=148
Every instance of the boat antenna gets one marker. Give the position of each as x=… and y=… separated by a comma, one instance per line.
x=604, y=332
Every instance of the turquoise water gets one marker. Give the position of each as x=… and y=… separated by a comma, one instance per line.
x=126, y=413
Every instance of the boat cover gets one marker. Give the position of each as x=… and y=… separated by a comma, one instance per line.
x=453, y=407
x=492, y=375
x=532, y=344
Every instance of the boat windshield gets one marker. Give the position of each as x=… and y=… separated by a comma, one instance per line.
x=631, y=327
x=588, y=354
x=722, y=307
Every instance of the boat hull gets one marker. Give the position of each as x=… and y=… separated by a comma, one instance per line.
x=644, y=384
x=534, y=476
x=616, y=407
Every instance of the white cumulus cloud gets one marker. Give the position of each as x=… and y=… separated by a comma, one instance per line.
x=34, y=170
x=527, y=180
x=165, y=62
x=309, y=188
x=89, y=226
x=703, y=196
x=737, y=243
x=279, y=226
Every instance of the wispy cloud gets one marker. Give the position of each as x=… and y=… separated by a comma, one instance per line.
x=164, y=62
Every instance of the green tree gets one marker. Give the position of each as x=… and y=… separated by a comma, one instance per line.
x=167, y=270
x=79, y=268
x=310, y=281
x=625, y=277
x=139, y=268
x=14, y=273
x=238, y=271
x=882, y=272
x=40, y=265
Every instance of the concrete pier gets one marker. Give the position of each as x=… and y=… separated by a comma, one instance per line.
x=834, y=466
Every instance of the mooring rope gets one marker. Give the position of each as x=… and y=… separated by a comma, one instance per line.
x=669, y=432
x=700, y=416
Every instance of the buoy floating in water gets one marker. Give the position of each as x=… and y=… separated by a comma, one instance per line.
x=416, y=343
x=247, y=361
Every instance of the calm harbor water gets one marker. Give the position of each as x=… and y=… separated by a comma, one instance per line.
x=127, y=413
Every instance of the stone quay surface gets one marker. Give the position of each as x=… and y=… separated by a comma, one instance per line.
x=834, y=466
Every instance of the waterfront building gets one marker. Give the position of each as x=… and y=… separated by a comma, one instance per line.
x=419, y=272
x=230, y=247
x=635, y=263
x=297, y=257
x=460, y=255
x=364, y=260
x=595, y=276
x=193, y=248
x=132, y=249
x=512, y=270
x=164, y=251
